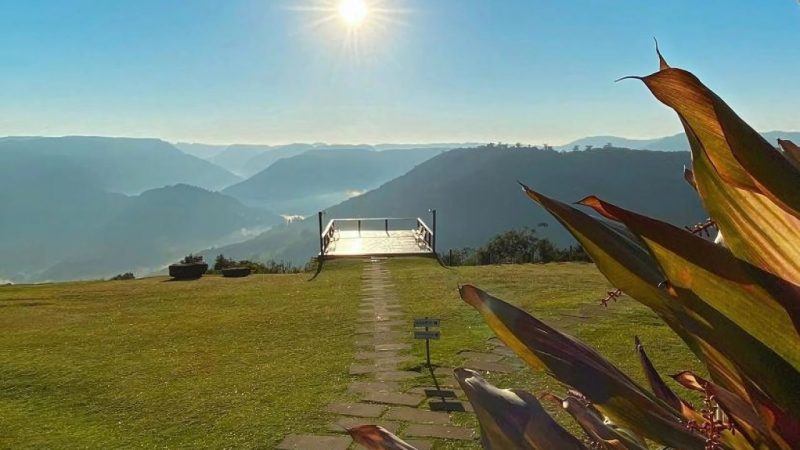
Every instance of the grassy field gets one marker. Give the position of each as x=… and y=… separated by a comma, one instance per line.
x=242, y=362
x=148, y=363
x=564, y=295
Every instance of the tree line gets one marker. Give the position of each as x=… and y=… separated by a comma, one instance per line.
x=520, y=246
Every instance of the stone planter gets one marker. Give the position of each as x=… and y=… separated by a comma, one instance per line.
x=236, y=272
x=187, y=271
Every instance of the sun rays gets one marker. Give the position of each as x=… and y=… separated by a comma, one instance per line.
x=357, y=24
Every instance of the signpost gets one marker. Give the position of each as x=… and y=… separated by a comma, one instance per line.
x=427, y=329
x=428, y=334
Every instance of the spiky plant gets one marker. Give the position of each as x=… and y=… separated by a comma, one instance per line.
x=736, y=306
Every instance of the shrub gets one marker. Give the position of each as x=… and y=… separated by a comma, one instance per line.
x=123, y=276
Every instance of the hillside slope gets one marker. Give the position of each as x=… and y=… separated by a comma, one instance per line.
x=123, y=165
x=305, y=183
x=75, y=230
x=476, y=194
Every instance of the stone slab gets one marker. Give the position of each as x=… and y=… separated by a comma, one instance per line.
x=419, y=444
x=391, y=347
x=504, y=351
x=356, y=409
x=311, y=442
x=396, y=375
x=342, y=424
x=362, y=387
x=361, y=369
x=414, y=415
x=362, y=355
x=394, y=398
x=440, y=431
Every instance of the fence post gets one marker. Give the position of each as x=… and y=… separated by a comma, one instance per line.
x=321, y=243
x=433, y=238
x=386, y=224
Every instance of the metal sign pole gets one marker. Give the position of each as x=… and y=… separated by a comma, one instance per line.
x=428, y=347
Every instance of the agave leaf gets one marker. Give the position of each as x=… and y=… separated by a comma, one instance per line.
x=571, y=362
x=748, y=188
x=374, y=437
x=599, y=431
x=628, y=265
x=512, y=419
x=791, y=152
x=657, y=385
x=757, y=432
x=710, y=282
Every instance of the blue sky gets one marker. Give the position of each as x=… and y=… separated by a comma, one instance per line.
x=258, y=71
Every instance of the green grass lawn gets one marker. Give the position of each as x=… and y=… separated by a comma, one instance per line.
x=147, y=363
x=242, y=362
x=564, y=295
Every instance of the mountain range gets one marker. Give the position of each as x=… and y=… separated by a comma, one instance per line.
x=122, y=165
x=89, y=207
x=677, y=142
x=73, y=208
x=305, y=183
x=476, y=194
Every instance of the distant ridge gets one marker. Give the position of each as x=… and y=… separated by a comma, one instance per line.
x=314, y=179
x=677, y=142
x=124, y=165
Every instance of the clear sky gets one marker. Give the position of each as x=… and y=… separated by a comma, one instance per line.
x=276, y=71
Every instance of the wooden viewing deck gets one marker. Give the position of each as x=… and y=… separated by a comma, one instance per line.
x=384, y=236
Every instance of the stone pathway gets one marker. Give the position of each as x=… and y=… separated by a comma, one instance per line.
x=383, y=338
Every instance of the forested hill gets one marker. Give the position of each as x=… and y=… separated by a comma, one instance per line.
x=477, y=196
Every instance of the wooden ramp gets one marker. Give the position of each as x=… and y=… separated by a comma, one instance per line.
x=385, y=236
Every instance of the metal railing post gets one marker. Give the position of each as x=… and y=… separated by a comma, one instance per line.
x=433, y=231
x=321, y=243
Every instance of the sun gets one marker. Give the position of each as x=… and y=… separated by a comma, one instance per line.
x=353, y=12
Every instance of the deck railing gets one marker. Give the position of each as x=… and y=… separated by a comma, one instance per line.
x=422, y=232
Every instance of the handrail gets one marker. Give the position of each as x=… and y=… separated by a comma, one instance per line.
x=327, y=228
x=422, y=231
x=420, y=222
x=327, y=236
x=373, y=219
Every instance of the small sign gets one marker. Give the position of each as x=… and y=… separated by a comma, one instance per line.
x=426, y=335
x=426, y=323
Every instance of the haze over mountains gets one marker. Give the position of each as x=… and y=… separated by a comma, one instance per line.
x=91, y=207
x=318, y=178
x=677, y=142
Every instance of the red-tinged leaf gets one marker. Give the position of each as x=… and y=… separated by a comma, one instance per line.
x=628, y=265
x=688, y=175
x=573, y=363
x=791, y=152
x=657, y=385
x=751, y=311
x=598, y=430
x=374, y=437
x=746, y=419
x=748, y=188
x=512, y=419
